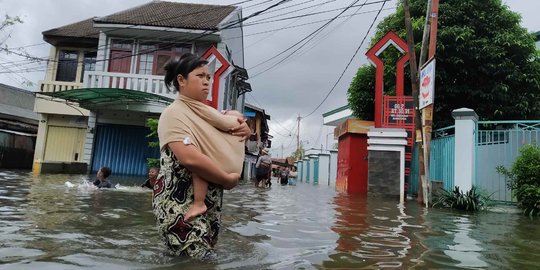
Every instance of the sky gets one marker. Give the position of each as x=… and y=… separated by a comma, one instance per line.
x=292, y=88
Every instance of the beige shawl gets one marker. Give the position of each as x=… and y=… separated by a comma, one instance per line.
x=206, y=129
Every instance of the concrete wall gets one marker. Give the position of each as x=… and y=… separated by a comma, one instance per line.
x=45, y=104
x=333, y=167
x=305, y=171
x=311, y=169
x=384, y=173
x=324, y=169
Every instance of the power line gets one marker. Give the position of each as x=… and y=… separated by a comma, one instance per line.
x=310, y=36
x=206, y=33
x=348, y=64
x=330, y=31
x=308, y=14
x=273, y=121
x=285, y=25
x=40, y=69
x=237, y=23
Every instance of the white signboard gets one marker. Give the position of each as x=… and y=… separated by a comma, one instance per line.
x=427, y=84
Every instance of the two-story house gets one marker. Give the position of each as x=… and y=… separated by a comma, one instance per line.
x=105, y=79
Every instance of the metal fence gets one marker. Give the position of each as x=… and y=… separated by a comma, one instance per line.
x=499, y=143
x=441, y=164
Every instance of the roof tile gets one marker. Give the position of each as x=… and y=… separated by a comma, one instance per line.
x=171, y=14
x=155, y=13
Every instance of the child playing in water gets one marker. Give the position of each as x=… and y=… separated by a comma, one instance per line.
x=152, y=178
x=101, y=178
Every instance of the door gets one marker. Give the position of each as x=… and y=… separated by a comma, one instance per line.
x=122, y=148
x=121, y=63
x=65, y=144
x=316, y=171
x=159, y=62
x=307, y=174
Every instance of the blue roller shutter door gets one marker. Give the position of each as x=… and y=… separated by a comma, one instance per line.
x=122, y=148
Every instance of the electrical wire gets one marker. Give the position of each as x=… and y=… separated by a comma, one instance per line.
x=206, y=33
x=348, y=64
x=310, y=37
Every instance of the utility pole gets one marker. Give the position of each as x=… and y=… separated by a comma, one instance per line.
x=424, y=124
x=298, y=132
x=414, y=84
x=429, y=37
x=427, y=112
x=422, y=187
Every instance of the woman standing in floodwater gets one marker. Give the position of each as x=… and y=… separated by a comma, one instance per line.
x=192, y=145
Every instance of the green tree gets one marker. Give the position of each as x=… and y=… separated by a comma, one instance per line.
x=485, y=61
x=298, y=153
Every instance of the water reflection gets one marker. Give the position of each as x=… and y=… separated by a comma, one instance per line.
x=466, y=250
x=48, y=225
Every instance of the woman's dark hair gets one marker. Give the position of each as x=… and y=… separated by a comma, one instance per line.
x=183, y=66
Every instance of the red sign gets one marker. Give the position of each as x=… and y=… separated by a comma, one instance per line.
x=399, y=113
x=390, y=38
x=222, y=71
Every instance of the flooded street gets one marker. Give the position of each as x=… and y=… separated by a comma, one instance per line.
x=45, y=224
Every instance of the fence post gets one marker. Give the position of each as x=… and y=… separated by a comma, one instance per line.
x=465, y=148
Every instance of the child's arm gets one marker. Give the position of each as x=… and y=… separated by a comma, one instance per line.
x=231, y=121
x=198, y=163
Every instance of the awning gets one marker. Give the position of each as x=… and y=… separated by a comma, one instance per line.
x=92, y=98
x=18, y=132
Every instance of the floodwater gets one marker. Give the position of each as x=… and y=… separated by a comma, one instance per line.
x=46, y=224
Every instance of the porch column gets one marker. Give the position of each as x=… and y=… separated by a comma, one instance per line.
x=89, y=140
x=465, y=148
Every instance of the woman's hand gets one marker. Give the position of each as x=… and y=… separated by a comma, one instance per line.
x=242, y=130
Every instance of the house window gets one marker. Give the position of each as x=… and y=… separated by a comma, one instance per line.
x=67, y=66
x=89, y=63
x=153, y=57
x=120, y=58
x=146, y=58
x=180, y=49
x=124, y=45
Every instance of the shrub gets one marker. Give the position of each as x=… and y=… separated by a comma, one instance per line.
x=472, y=200
x=153, y=125
x=524, y=179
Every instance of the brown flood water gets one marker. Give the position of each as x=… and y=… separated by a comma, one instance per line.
x=46, y=224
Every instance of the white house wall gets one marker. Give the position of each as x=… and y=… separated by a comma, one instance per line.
x=333, y=168
x=311, y=161
x=44, y=104
x=89, y=140
x=232, y=37
x=324, y=169
x=305, y=165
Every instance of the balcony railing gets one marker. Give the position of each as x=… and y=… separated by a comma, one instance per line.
x=145, y=83
x=97, y=79
x=56, y=86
